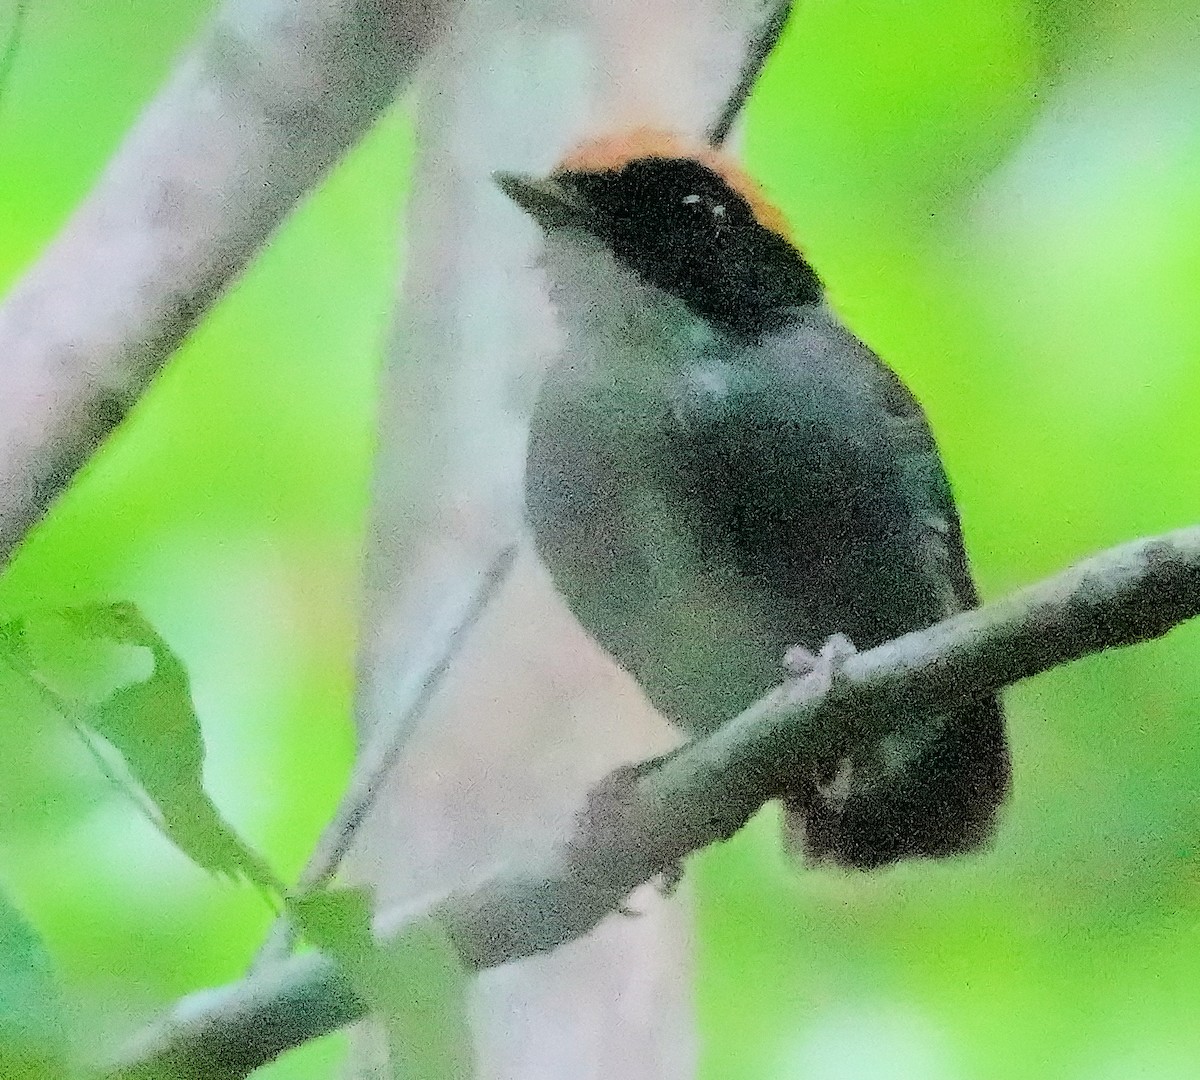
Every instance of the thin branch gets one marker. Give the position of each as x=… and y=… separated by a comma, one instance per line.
x=756, y=59
x=16, y=34
x=267, y=100
x=446, y=639
x=228, y=1033
x=703, y=794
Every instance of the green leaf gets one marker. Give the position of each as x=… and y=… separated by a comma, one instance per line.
x=415, y=984
x=336, y=920
x=32, y=1045
x=106, y=669
x=418, y=987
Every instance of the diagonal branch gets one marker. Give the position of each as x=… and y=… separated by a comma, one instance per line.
x=16, y=34
x=756, y=59
x=270, y=96
x=445, y=641
x=702, y=794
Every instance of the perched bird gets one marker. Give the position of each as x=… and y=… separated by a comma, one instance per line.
x=718, y=470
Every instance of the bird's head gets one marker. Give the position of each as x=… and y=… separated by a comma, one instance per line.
x=682, y=217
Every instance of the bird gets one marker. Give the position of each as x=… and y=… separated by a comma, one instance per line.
x=720, y=474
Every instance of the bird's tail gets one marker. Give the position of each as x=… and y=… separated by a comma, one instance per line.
x=944, y=802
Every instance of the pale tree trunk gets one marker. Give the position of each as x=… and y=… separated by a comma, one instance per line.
x=532, y=715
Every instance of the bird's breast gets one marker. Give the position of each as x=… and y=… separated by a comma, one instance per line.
x=695, y=554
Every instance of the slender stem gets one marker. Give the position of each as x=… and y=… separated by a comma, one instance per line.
x=446, y=639
x=756, y=59
x=8, y=58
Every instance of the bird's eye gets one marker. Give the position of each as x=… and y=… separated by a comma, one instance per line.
x=691, y=200
x=719, y=210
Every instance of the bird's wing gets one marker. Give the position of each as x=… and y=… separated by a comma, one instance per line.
x=807, y=463
x=845, y=503
x=940, y=531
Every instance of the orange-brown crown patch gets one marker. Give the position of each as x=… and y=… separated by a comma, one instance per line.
x=612, y=152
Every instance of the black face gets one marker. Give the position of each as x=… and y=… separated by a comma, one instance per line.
x=684, y=229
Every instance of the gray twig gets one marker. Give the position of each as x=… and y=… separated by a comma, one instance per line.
x=8, y=57
x=702, y=794
x=756, y=59
x=446, y=640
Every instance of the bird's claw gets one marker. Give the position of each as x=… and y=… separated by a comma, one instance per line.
x=824, y=666
x=834, y=780
x=665, y=883
x=606, y=811
x=668, y=881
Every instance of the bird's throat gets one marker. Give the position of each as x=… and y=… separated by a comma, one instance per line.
x=617, y=327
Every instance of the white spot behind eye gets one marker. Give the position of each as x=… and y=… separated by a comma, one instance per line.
x=691, y=200
x=718, y=210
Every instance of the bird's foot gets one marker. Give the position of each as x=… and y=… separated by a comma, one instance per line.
x=824, y=665
x=833, y=780
x=665, y=882
x=607, y=810
x=669, y=879
x=834, y=788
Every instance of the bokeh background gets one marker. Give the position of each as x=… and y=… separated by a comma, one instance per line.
x=1004, y=198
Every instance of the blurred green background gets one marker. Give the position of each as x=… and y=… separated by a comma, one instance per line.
x=1005, y=201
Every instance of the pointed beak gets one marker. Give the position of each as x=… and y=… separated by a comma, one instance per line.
x=550, y=202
